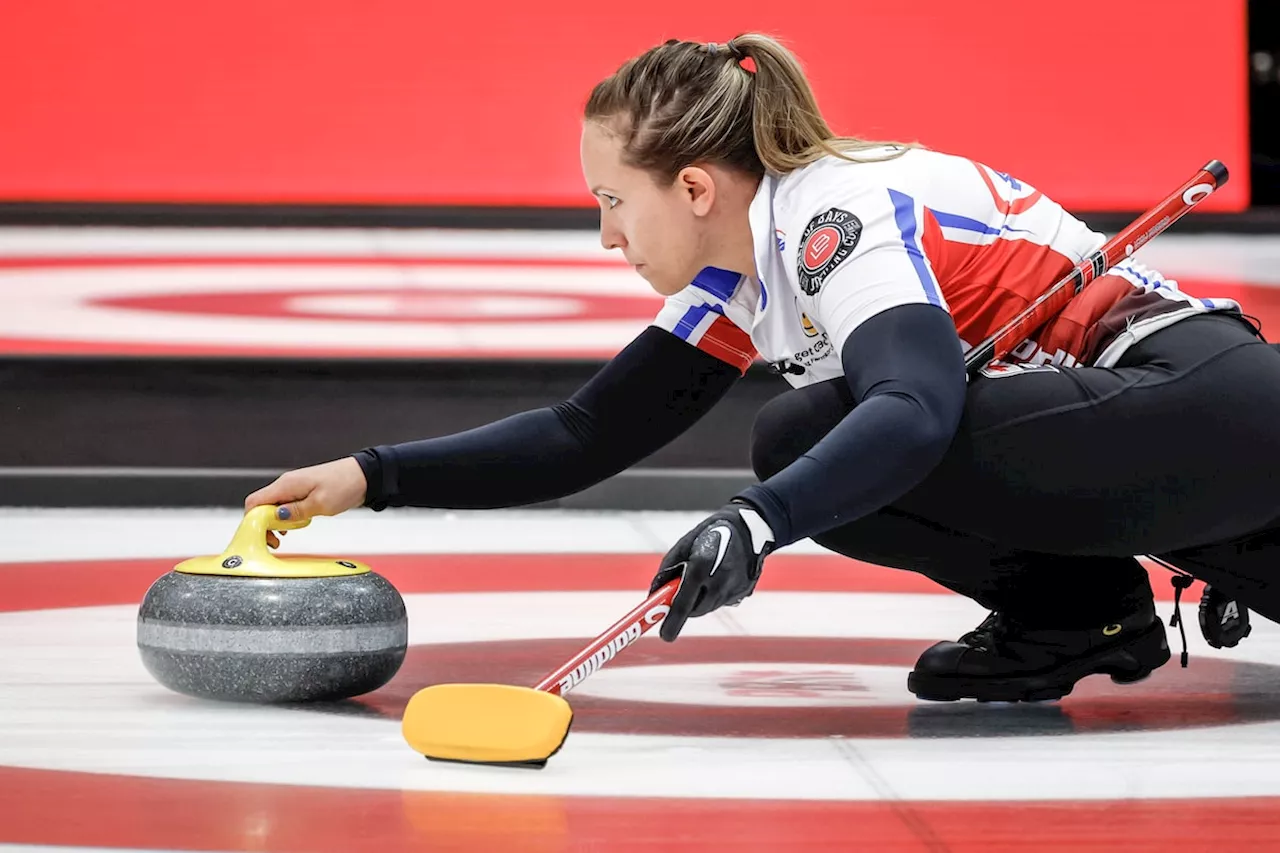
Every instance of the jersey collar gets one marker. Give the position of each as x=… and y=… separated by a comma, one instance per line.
x=766, y=240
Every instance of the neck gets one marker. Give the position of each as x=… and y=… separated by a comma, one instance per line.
x=734, y=248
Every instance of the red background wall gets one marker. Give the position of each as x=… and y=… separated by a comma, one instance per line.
x=1104, y=104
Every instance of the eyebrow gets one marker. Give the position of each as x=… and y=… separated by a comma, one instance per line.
x=598, y=190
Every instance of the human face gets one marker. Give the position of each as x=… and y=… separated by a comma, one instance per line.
x=661, y=230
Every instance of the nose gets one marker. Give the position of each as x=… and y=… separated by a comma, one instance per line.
x=611, y=236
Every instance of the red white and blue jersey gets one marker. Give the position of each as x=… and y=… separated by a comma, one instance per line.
x=838, y=242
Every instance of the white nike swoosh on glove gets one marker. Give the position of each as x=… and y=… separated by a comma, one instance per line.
x=723, y=534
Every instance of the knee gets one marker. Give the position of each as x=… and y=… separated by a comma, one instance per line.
x=793, y=422
x=770, y=450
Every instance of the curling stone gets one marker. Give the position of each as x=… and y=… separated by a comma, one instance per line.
x=250, y=626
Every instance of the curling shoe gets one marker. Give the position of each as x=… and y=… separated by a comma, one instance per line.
x=1002, y=661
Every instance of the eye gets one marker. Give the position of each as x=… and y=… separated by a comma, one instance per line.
x=609, y=200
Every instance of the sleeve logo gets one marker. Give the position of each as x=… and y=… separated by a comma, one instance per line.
x=827, y=241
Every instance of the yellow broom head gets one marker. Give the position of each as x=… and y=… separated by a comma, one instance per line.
x=487, y=724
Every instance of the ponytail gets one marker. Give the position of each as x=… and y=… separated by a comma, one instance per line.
x=787, y=127
x=686, y=102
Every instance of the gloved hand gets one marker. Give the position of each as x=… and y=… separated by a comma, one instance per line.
x=718, y=563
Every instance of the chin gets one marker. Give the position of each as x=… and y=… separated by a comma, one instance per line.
x=663, y=285
x=662, y=282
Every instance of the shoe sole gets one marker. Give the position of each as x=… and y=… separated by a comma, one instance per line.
x=1126, y=664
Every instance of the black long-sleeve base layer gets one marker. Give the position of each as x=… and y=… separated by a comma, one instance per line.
x=904, y=367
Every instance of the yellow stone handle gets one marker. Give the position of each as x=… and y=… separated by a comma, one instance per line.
x=251, y=536
x=248, y=555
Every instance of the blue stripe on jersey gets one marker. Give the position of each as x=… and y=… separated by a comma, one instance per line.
x=719, y=283
x=689, y=322
x=1139, y=276
x=904, y=213
x=1011, y=181
x=955, y=220
x=964, y=223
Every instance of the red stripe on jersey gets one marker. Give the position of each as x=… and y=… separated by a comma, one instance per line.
x=993, y=283
x=728, y=343
x=1072, y=331
x=945, y=263
x=1019, y=206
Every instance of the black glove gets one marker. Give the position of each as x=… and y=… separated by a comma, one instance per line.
x=718, y=563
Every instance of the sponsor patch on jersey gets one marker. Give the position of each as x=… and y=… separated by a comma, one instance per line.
x=827, y=241
x=810, y=330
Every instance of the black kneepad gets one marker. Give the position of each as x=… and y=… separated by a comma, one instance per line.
x=1223, y=620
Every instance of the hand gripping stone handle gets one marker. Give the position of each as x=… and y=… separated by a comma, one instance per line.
x=260, y=519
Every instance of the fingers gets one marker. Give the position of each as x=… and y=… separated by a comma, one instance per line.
x=294, y=511
x=692, y=587
x=300, y=495
x=673, y=622
x=673, y=562
x=280, y=489
x=292, y=492
x=665, y=576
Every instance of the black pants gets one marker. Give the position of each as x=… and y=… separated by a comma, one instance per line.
x=1056, y=479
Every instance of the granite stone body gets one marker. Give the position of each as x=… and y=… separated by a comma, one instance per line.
x=272, y=640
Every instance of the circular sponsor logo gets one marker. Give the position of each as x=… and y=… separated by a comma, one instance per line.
x=820, y=246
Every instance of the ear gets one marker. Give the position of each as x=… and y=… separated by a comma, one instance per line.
x=697, y=185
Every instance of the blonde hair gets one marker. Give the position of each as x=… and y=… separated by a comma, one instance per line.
x=686, y=102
